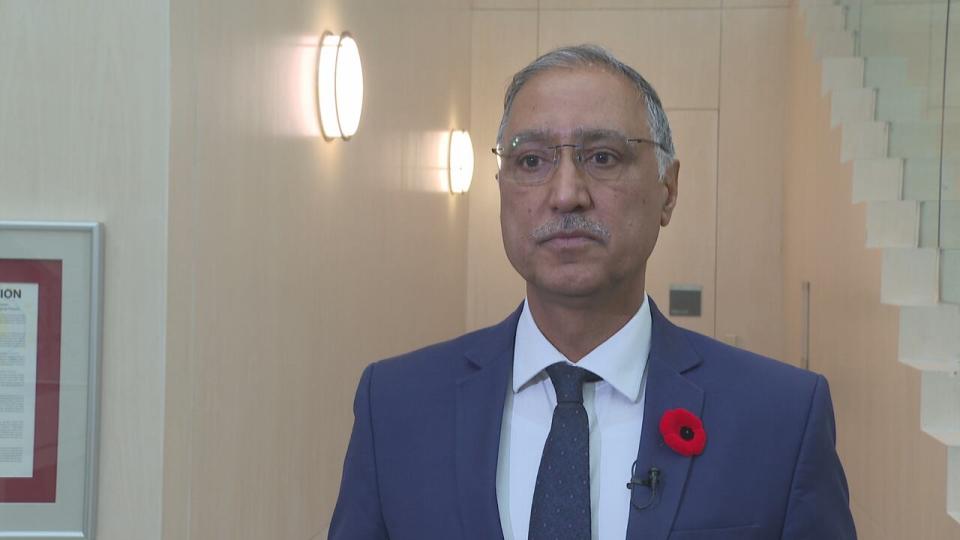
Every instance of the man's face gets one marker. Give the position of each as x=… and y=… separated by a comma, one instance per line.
x=603, y=255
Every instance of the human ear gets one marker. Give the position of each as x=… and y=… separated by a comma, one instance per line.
x=670, y=182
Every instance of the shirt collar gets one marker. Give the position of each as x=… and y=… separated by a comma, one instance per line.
x=620, y=360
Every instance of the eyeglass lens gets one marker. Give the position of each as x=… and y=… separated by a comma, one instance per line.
x=532, y=160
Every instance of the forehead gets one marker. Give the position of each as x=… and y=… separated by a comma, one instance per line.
x=565, y=101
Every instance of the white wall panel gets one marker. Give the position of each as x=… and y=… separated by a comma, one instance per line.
x=84, y=135
x=753, y=83
x=294, y=261
x=628, y=4
x=677, y=50
x=686, y=251
x=502, y=44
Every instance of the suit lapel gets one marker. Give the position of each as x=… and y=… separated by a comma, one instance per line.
x=666, y=388
x=480, y=399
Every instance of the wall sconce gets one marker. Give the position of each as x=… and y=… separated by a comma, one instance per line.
x=460, y=161
x=339, y=86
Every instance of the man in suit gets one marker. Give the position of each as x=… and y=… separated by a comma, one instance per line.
x=586, y=413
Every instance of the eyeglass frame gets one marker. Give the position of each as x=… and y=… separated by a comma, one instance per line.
x=578, y=156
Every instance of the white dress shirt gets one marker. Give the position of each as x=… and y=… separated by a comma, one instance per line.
x=614, y=409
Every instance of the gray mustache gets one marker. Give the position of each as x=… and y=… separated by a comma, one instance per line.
x=568, y=223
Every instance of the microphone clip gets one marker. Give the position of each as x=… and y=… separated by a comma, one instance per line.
x=652, y=481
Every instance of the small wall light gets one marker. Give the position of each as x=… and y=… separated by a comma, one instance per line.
x=461, y=161
x=339, y=86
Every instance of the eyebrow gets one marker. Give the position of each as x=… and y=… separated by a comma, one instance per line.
x=530, y=134
x=593, y=134
x=579, y=133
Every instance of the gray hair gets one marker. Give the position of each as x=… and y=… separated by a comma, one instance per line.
x=595, y=56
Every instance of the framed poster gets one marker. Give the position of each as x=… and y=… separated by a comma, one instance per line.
x=50, y=291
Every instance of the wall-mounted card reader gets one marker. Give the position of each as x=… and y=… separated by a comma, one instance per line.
x=685, y=300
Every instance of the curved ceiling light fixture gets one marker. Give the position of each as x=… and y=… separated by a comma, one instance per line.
x=339, y=86
x=460, y=164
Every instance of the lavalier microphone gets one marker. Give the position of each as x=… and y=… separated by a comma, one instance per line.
x=652, y=481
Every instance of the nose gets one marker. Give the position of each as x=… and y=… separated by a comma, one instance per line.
x=570, y=186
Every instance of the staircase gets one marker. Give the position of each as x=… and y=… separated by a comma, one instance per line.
x=883, y=67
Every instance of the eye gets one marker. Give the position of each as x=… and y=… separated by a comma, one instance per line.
x=601, y=158
x=531, y=161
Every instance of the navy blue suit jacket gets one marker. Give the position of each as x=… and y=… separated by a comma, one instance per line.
x=422, y=459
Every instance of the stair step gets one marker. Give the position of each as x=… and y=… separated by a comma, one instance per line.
x=849, y=105
x=828, y=43
x=915, y=139
x=939, y=406
x=950, y=276
x=905, y=104
x=910, y=276
x=853, y=10
x=921, y=178
x=893, y=224
x=950, y=187
x=950, y=224
x=864, y=140
x=930, y=224
x=903, y=28
x=930, y=337
x=948, y=216
x=824, y=17
x=806, y=5
x=922, y=138
x=841, y=72
x=877, y=179
x=953, y=482
x=885, y=72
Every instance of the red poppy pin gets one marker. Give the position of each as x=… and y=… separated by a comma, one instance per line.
x=683, y=432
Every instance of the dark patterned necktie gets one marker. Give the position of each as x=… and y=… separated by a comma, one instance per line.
x=561, y=498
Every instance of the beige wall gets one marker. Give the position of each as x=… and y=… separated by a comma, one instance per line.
x=720, y=70
x=295, y=262
x=84, y=131
x=896, y=473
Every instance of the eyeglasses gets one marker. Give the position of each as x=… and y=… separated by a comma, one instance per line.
x=531, y=159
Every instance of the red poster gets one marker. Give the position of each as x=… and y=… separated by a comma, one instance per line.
x=47, y=275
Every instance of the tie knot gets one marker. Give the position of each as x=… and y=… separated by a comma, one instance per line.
x=568, y=381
